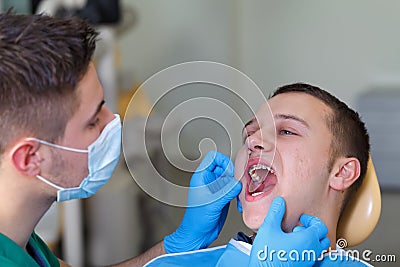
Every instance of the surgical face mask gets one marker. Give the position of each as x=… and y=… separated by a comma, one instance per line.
x=103, y=155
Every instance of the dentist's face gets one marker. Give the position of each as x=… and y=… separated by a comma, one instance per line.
x=292, y=151
x=68, y=169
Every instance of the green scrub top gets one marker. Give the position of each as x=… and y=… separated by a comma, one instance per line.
x=13, y=255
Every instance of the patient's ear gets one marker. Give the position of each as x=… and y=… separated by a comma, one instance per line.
x=344, y=173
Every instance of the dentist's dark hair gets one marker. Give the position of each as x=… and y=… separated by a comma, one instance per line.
x=349, y=135
x=42, y=59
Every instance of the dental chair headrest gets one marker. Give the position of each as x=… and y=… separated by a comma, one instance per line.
x=362, y=213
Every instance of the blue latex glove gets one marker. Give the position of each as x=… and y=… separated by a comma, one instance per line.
x=310, y=236
x=212, y=187
x=239, y=205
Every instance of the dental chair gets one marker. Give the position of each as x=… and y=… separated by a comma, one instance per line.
x=362, y=213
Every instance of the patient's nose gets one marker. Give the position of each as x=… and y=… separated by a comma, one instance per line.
x=258, y=142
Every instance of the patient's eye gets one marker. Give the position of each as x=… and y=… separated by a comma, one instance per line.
x=286, y=132
x=245, y=135
x=250, y=128
x=249, y=131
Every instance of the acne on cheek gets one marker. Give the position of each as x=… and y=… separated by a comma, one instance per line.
x=302, y=167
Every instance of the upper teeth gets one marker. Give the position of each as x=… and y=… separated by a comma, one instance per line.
x=259, y=166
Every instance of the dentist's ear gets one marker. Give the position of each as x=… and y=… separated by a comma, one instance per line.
x=344, y=173
x=26, y=158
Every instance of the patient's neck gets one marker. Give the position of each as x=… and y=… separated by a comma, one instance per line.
x=330, y=216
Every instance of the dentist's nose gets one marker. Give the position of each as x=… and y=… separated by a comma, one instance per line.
x=107, y=117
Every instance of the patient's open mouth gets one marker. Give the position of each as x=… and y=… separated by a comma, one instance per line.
x=258, y=173
x=261, y=179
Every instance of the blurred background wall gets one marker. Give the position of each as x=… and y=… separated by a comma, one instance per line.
x=350, y=48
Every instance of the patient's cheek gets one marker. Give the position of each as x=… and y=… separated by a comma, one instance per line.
x=240, y=163
x=239, y=172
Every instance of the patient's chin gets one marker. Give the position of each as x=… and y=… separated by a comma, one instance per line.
x=253, y=222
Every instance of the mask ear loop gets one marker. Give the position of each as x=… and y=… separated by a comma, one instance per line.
x=50, y=144
x=49, y=183
x=58, y=146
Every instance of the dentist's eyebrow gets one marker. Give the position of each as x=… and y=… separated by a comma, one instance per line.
x=97, y=110
x=293, y=118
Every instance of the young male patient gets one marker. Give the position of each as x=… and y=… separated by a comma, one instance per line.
x=314, y=154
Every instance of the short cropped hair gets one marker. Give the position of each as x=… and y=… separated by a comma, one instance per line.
x=42, y=59
x=349, y=135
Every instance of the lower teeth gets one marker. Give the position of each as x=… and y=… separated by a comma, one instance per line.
x=256, y=194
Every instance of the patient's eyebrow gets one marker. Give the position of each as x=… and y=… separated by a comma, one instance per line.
x=291, y=117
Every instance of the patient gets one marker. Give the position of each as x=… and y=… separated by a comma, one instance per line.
x=313, y=152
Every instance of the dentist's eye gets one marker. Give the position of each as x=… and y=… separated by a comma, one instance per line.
x=95, y=123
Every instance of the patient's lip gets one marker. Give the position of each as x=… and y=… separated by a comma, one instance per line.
x=252, y=198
